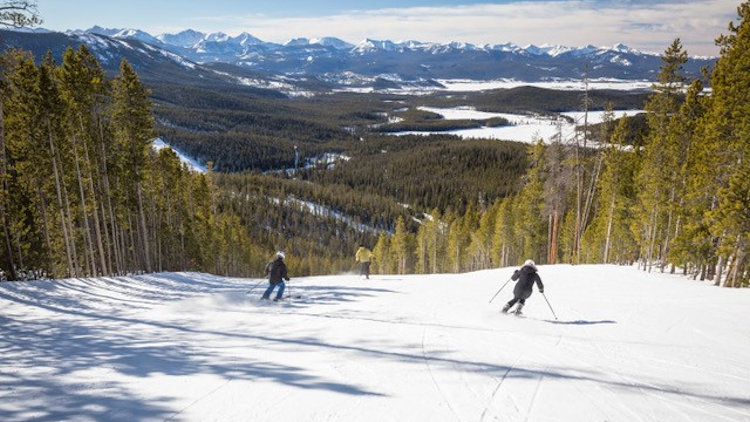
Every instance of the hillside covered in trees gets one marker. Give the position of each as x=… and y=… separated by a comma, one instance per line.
x=677, y=197
x=83, y=193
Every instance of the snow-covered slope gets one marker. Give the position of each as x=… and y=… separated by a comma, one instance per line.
x=628, y=346
x=193, y=164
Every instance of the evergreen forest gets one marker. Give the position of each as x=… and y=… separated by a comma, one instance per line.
x=83, y=193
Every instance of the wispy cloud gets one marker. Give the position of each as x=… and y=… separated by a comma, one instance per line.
x=640, y=24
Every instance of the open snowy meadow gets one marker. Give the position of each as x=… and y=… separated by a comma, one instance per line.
x=522, y=128
x=628, y=346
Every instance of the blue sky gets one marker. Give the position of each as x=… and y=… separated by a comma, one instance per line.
x=642, y=24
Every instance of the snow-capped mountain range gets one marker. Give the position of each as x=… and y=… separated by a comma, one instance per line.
x=200, y=44
x=328, y=62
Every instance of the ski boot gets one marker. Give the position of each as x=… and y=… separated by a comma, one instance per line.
x=505, y=308
x=518, y=309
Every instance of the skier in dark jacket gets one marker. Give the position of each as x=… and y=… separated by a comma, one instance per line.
x=276, y=272
x=526, y=277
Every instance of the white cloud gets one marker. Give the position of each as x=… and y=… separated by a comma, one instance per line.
x=646, y=26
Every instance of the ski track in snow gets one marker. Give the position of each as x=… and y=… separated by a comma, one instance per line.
x=629, y=346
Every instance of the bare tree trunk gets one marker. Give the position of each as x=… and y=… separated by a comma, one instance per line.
x=668, y=231
x=144, y=231
x=581, y=174
x=112, y=249
x=63, y=219
x=182, y=249
x=18, y=249
x=90, y=256
x=590, y=193
x=107, y=239
x=555, y=223
x=549, y=238
x=576, y=259
x=652, y=238
x=434, y=242
x=95, y=209
x=719, y=270
x=45, y=217
x=610, y=218
x=735, y=269
x=134, y=245
x=126, y=258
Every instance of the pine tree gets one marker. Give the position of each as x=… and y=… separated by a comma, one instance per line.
x=728, y=129
x=656, y=179
x=83, y=89
x=382, y=255
x=530, y=228
x=422, y=253
x=558, y=177
x=27, y=159
x=52, y=125
x=134, y=129
x=401, y=247
x=610, y=237
x=480, y=246
x=691, y=244
x=17, y=14
x=502, y=239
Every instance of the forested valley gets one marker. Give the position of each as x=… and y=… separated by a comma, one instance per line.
x=83, y=193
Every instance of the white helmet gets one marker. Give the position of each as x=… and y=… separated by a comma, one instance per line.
x=529, y=263
x=280, y=254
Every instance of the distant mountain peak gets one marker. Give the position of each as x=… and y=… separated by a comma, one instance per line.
x=332, y=42
x=96, y=29
x=370, y=45
x=245, y=38
x=217, y=37
x=297, y=42
x=186, y=39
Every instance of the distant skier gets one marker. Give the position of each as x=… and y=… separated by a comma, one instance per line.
x=526, y=277
x=276, y=273
x=363, y=256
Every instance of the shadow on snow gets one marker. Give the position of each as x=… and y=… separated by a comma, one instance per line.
x=76, y=337
x=57, y=346
x=581, y=322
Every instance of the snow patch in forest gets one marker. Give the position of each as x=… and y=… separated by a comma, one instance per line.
x=326, y=212
x=283, y=87
x=193, y=164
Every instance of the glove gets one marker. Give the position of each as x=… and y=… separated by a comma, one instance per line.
x=541, y=290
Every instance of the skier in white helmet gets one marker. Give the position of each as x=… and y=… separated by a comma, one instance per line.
x=277, y=273
x=526, y=276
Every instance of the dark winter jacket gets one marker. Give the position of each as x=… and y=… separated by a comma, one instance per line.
x=526, y=277
x=276, y=271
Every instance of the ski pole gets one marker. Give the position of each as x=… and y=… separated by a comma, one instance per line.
x=550, y=306
x=498, y=292
x=253, y=288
